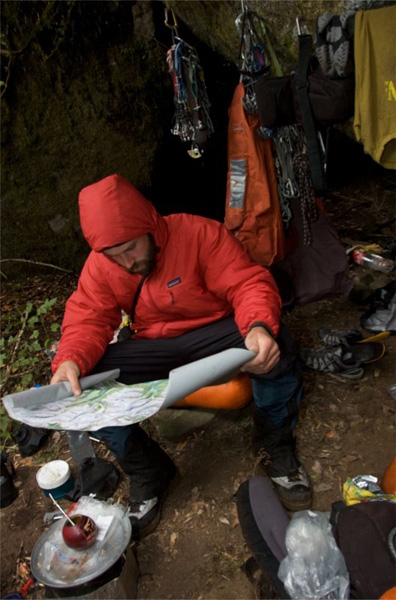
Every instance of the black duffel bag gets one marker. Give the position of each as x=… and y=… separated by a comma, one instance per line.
x=331, y=99
x=309, y=97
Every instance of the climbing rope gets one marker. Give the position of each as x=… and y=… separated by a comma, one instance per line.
x=309, y=211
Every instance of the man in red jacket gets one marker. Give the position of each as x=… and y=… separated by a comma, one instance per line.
x=191, y=291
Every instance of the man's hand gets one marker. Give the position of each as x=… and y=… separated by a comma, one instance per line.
x=68, y=371
x=259, y=341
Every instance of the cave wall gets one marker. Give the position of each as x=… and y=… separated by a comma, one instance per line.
x=86, y=92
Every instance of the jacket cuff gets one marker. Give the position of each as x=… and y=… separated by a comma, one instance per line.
x=261, y=324
x=58, y=360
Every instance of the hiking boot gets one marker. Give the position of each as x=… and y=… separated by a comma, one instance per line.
x=144, y=516
x=293, y=489
x=276, y=447
x=335, y=337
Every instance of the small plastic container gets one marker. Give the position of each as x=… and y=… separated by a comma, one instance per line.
x=55, y=478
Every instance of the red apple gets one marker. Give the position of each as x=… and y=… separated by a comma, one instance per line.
x=81, y=534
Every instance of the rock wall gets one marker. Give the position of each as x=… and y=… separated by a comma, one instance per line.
x=86, y=92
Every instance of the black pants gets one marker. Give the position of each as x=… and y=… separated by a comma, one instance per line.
x=147, y=360
x=275, y=394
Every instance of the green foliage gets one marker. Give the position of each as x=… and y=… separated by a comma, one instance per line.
x=6, y=427
x=25, y=336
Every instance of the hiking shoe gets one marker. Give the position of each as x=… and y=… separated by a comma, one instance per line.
x=293, y=490
x=335, y=337
x=144, y=516
x=331, y=360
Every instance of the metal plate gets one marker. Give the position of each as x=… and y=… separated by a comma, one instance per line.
x=56, y=565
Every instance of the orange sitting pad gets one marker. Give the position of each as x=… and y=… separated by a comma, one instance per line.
x=232, y=395
x=388, y=480
x=389, y=594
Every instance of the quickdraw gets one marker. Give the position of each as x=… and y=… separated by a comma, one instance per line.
x=256, y=54
x=191, y=120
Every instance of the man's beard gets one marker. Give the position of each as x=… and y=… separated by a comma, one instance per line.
x=143, y=267
x=146, y=265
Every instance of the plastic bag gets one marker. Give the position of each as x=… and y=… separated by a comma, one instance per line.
x=314, y=566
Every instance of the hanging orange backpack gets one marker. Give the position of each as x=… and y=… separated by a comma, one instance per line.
x=252, y=209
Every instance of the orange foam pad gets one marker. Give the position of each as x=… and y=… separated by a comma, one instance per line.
x=232, y=395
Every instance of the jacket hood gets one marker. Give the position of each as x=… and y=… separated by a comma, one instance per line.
x=113, y=211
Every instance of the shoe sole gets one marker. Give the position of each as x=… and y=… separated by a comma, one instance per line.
x=379, y=337
x=145, y=531
x=366, y=353
x=292, y=505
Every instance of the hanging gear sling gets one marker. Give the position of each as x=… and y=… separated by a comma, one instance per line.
x=191, y=121
x=269, y=186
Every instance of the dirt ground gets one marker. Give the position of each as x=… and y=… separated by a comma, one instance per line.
x=346, y=428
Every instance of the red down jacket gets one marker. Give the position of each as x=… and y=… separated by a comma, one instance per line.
x=202, y=275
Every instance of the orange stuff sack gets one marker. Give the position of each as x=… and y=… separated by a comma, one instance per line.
x=252, y=209
x=233, y=395
x=388, y=481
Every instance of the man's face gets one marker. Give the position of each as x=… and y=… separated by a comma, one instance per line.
x=136, y=256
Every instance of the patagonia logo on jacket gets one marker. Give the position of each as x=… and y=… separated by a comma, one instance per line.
x=174, y=282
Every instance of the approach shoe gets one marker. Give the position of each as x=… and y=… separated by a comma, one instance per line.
x=144, y=516
x=336, y=337
x=346, y=361
x=330, y=360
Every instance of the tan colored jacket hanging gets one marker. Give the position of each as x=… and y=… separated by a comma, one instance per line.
x=375, y=96
x=252, y=210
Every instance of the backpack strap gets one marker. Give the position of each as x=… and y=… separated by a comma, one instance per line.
x=263, y=522
x=126, y=332
x=311, y=134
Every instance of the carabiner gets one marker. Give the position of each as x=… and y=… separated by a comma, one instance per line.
x=166, y=21
x=194, y=151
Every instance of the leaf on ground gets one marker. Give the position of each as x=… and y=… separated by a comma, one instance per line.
x=317, y=467
x=350, y=458
x=181, y=445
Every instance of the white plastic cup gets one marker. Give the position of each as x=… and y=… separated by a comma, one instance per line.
x=55, y=478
